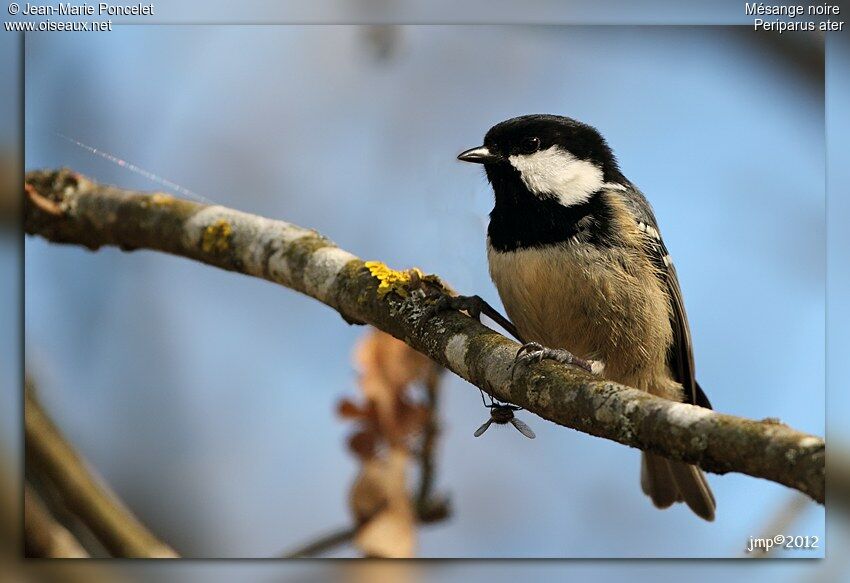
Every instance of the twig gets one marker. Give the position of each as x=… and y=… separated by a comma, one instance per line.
x=301, y=259
x=429, y=509
x=45, y=537
x=323, y=544
x=433, y=512
x=43, y=203
x=50, y=456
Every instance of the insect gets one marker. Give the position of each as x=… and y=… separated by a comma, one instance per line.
x=502, y=414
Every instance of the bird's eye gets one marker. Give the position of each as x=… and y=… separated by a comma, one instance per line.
x=530, y=145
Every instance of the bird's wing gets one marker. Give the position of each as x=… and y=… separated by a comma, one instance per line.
x=680, y=356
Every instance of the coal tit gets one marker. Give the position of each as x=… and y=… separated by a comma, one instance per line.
x=579, y=263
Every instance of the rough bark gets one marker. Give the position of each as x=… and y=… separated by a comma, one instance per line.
x=64, y=207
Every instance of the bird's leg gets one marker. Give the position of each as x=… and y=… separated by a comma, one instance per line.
x=474, y=306
x=535, y=352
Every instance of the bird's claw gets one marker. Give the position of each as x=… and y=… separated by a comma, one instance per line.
x=531, y=352
x=475, y=306
x=469, y=304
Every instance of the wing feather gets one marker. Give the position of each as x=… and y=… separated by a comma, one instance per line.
x=680, y=357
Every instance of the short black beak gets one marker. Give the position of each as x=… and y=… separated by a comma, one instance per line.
x=479, y=155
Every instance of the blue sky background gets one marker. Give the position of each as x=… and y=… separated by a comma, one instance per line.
x=207, y=398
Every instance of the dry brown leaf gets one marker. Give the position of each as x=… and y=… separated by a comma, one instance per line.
x=379, y=499
x=348, y=409
x=387, y=363
x=387, y=368
x=389, y=532
x=363, y=444
x=368, y=494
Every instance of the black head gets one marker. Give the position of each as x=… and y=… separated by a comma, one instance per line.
x=527, y=135
x=547, y=172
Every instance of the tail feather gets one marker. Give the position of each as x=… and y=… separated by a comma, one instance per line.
x=657, y=481
x=666, y=482
x=705, y=485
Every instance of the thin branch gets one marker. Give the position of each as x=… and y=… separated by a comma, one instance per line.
x=43, y=203
x=433, y=511
x=429, y=508
x=323, y=544
x=49, y=455
x=95, y=215
x=43, y=536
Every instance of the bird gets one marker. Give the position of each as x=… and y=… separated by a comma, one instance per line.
x=576, y=255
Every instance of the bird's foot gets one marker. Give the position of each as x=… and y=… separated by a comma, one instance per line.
x=535, y=352
x=472, y=305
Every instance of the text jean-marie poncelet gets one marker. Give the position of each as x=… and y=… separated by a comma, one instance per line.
x=85, y=9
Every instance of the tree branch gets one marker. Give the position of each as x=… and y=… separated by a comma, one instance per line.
x=397, y=302
x=51, y=456
x=43, y=535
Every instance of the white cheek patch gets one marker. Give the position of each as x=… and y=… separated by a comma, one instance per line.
x=558, y=173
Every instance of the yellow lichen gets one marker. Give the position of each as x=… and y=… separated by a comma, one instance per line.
x=398, y=282
x=217, y=237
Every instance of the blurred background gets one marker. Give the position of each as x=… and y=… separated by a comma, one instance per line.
x=207, y=399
